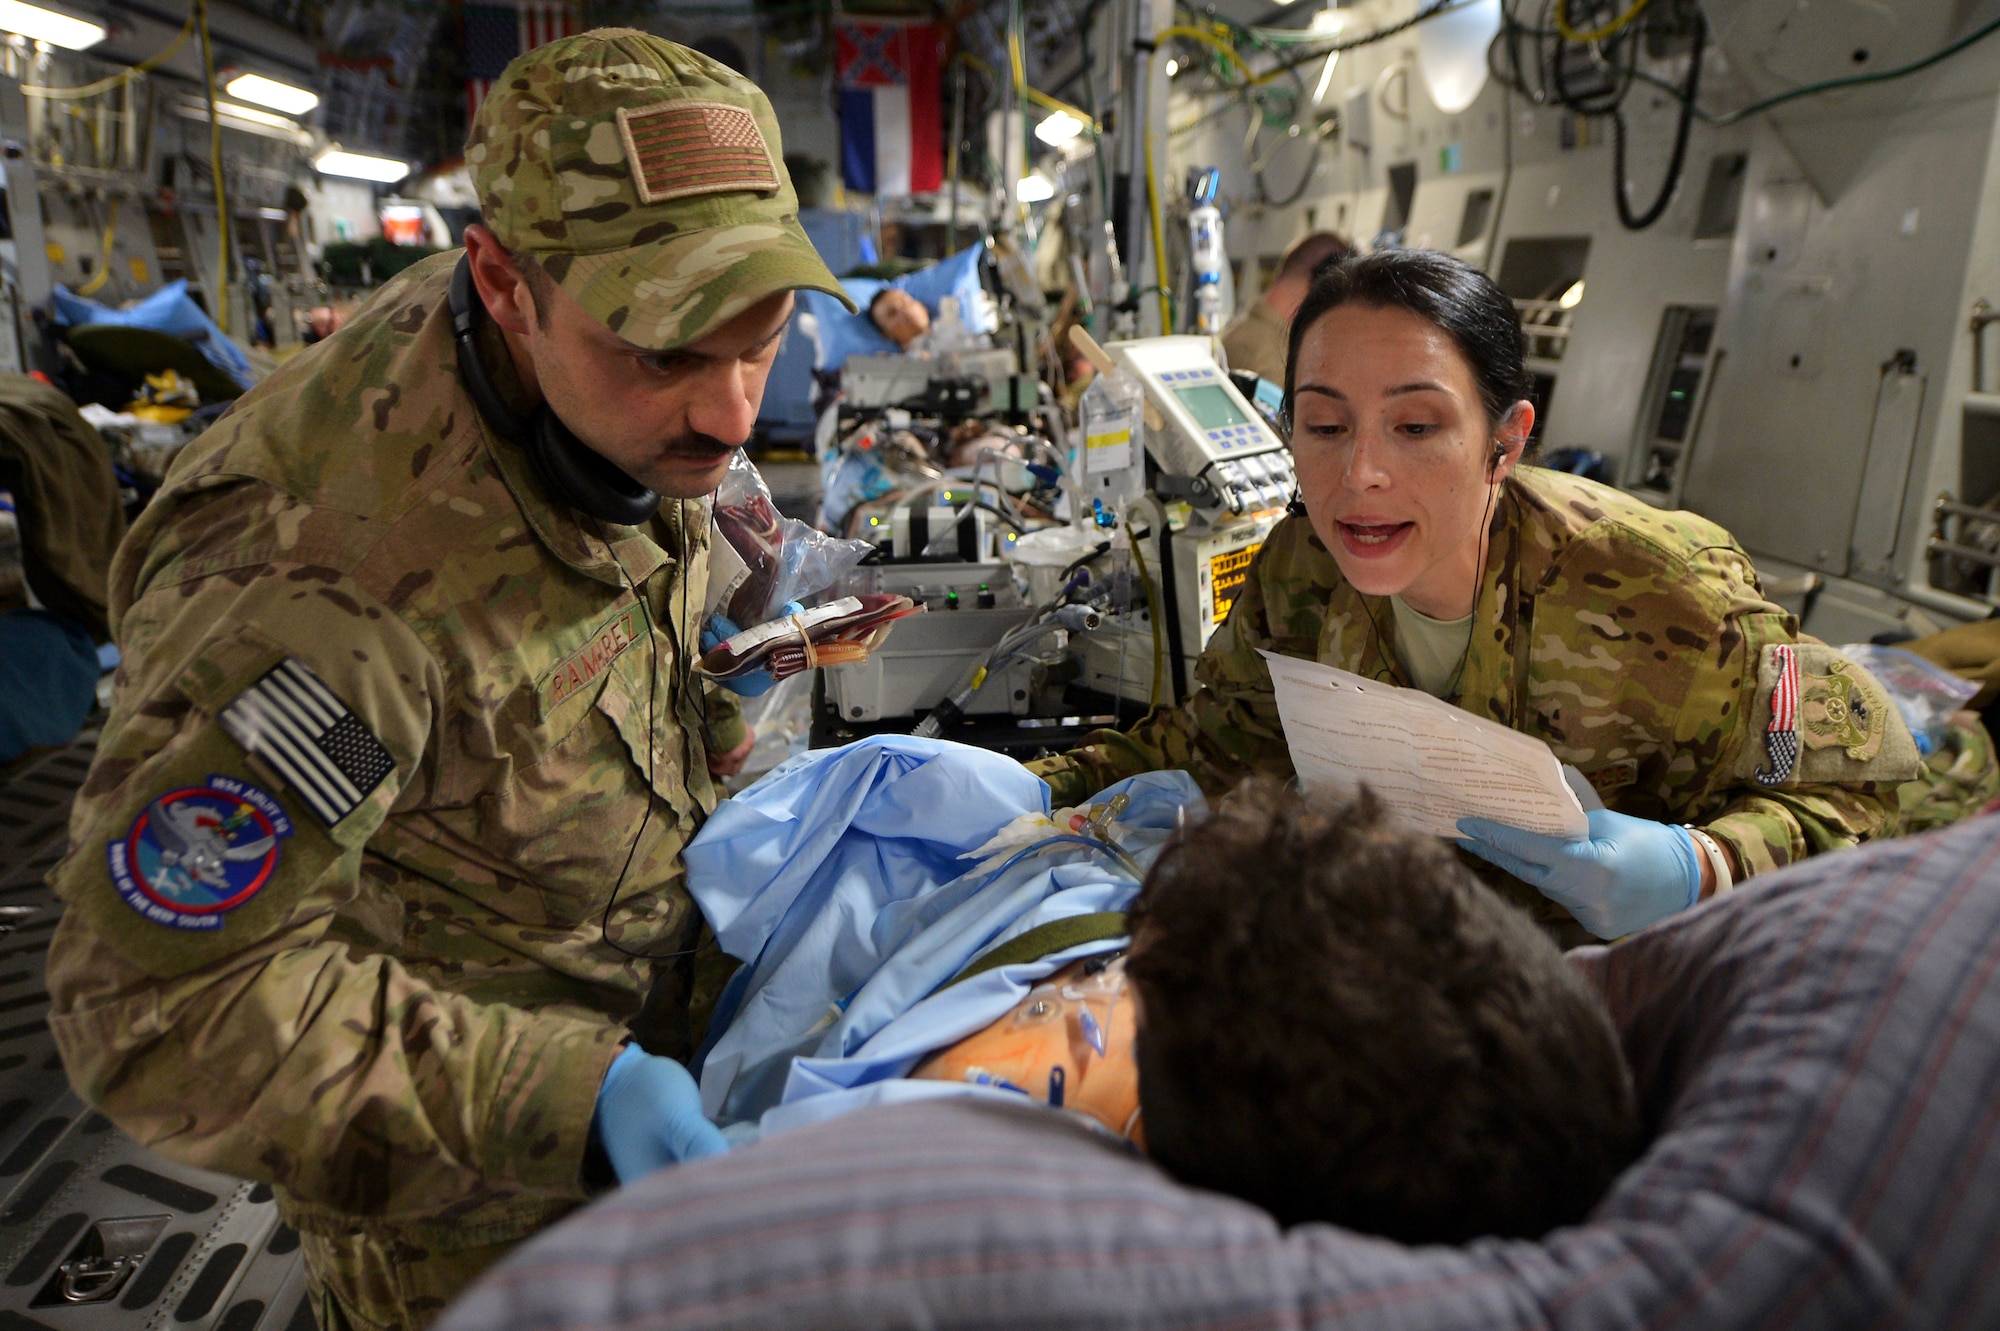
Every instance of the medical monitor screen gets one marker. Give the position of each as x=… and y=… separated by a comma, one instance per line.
x=1211, y=406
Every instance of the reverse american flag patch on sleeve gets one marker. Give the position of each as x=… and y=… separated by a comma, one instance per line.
x=295, y=724
x=680, y=149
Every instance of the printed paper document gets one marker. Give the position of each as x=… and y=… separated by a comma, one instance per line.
x=1429, y=762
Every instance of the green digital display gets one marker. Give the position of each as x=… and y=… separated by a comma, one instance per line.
x=1211, y=406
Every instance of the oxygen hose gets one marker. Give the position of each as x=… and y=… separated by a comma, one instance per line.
x=221, y=310
x=1159, y=236
x=123, y=76
x=103, y=274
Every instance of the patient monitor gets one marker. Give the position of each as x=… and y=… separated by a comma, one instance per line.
x=1214, y=480
x=1202, y=428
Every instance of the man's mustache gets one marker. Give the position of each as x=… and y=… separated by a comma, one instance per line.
x=697, y=446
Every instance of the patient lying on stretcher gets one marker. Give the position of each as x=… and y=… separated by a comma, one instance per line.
x=1338, y=1024
x=1295, y=1004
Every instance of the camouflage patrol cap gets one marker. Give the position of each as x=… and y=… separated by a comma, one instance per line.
x=647, y=179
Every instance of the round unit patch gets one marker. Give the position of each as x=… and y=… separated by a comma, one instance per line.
x=195, y=853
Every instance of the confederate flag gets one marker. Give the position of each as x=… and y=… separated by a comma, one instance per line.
x=891, y=133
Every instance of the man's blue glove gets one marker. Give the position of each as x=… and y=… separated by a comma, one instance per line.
x=720, y=629
x=1629, y=874
x=649, y=1116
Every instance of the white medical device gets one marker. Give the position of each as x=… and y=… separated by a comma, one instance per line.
x=1206, y=430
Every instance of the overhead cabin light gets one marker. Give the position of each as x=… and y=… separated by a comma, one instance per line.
x=1573, y=297
x=249, y=115
x=269, y=92
x=360, y=166
x=1452, y=51
x=1034, y=189
x=246, y=118
x=1058, y=129
x=47, y=25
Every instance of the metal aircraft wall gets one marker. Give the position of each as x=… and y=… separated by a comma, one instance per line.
x=1389, y=132
x=1871, y=227
x=1812, y=276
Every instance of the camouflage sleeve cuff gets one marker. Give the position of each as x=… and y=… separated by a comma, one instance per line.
x=545, y=1099
x=1757, y=842
x=1770, y=831
x=725, y=728
x=1066, y=780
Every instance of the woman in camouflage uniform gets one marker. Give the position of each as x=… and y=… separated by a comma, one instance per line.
x=1636, y=642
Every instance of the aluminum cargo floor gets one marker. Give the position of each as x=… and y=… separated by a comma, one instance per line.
x=95, y=1231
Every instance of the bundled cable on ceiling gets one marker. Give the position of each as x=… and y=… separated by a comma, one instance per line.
x=1581, y=40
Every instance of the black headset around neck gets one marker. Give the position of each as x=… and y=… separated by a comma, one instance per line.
x=581, y=477
x=575, y=473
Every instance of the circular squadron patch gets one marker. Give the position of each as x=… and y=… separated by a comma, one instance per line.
x=196, y=853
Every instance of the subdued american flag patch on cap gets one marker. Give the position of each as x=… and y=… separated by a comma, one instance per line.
x=293, y=721
x=680, y=149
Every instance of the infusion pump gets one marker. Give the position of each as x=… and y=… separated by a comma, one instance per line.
x=1210, y=433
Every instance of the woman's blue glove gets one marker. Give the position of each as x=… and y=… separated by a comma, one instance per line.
x=1629, y=874
x=649, y=1116
x=720, y=629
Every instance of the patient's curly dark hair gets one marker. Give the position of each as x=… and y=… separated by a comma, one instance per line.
x=1339, y=1023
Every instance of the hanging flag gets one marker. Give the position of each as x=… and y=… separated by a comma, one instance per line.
x=891, y=133
x=495, y=34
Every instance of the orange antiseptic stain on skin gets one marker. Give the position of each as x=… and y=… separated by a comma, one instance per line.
x=593, y=659
x=1047, y=1032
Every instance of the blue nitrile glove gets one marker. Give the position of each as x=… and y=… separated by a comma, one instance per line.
x=720, y=629
x=1630, y=873
x=649, y=1116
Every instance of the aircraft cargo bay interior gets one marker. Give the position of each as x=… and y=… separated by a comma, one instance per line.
x=968, y=663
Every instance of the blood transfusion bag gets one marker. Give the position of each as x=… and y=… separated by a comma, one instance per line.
x=1067, y=1044
x=837, y=633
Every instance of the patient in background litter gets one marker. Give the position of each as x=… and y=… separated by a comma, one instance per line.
x=1337, y=1022
x=900, y=317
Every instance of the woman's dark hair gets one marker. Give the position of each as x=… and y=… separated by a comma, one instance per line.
x=1455, y=296
x=1337, y=1022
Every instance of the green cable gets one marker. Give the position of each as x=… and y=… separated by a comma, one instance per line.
x=1337, y=44
x=1830, y=85
x=1173, y=305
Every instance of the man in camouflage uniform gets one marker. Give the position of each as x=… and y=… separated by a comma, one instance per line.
x=1636, y=642
x=68, y=518
x=1255, y=339
x=379, y=863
